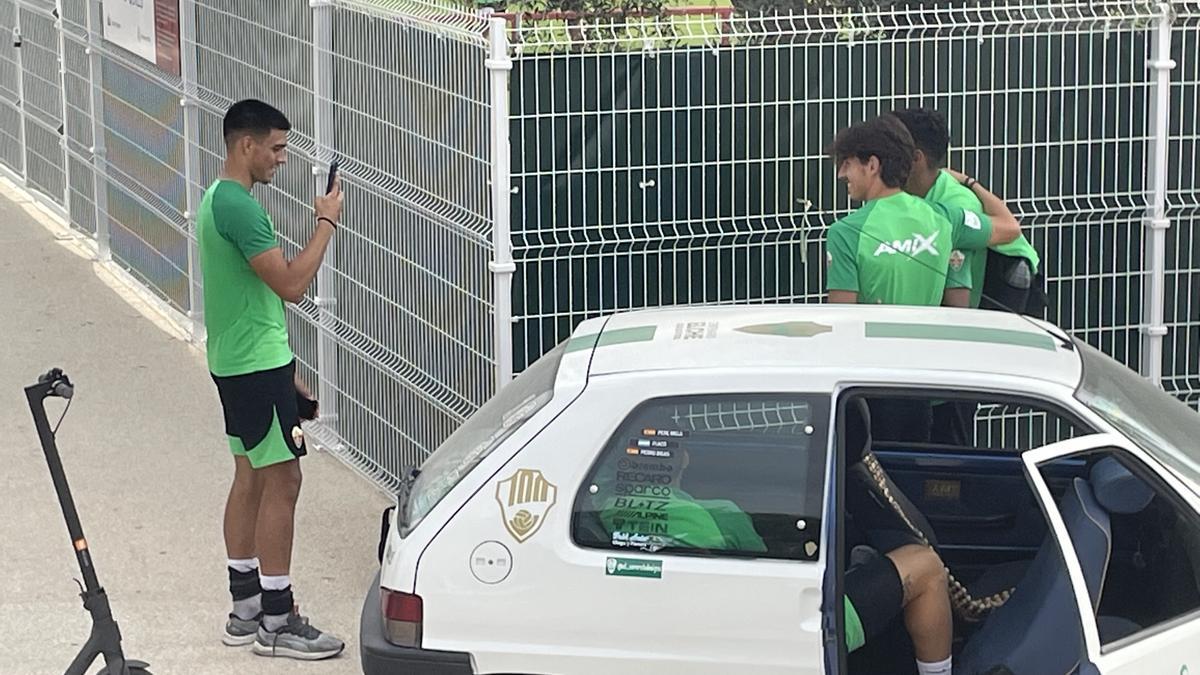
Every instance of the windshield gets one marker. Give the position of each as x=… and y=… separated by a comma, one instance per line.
x=1158, y=422
x=483, y=431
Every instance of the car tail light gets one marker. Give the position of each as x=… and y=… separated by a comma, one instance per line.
x=402, y=616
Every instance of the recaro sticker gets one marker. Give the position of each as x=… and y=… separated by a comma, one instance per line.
x=525, y=498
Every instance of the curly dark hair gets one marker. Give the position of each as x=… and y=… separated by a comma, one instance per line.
x=885, y=138
x=929, y=131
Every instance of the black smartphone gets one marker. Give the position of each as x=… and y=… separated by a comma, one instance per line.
x=333, y=172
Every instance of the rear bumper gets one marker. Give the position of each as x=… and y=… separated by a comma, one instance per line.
x=380, y=657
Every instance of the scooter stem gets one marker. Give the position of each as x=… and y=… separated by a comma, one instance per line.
x=36, y=394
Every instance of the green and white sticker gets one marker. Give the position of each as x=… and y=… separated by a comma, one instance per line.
x=633, y=567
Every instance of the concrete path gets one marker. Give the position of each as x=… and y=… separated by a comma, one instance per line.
x=144, y=450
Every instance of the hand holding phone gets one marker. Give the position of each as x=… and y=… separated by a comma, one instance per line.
x=329, y=205
x=333, y=174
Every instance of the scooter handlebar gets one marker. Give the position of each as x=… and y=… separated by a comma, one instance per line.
x=60, y=384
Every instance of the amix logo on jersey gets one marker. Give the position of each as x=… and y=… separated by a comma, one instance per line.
x=914, y=246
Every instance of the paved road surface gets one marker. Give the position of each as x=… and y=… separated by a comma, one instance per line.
x=144, y=451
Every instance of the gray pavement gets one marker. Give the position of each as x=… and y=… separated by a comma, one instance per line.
x=144, y=451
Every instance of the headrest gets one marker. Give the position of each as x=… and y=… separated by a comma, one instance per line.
x=858, y=430
x=1117, y=489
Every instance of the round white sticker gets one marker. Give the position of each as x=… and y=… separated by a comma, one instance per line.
x=491, y=562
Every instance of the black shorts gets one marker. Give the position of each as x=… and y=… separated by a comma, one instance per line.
x=873, y=586
x=262, y=419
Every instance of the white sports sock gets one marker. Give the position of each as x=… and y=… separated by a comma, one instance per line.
x=279, y=583
x=249, y=608
x=937, y=668
x=243, y=564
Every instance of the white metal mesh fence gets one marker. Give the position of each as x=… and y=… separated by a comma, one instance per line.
x=688, y=167
x=41, y=100
x=12, y=146
x=1181, y=351
x=666, y=159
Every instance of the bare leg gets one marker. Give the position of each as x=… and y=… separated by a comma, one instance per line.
x=926, y=601
x=276, y=517
x=241, y=510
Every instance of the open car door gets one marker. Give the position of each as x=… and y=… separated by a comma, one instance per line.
x=1113, y=588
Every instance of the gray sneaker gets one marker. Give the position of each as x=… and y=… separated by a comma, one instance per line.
x=297, y=640
x=240, y=632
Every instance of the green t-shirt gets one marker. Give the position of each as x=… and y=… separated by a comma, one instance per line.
x=898, y=250
x=950, y=192
x=247, y=331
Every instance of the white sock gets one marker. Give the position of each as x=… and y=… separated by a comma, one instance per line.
x=244, y=564
x=936, y=668
x=249, y=608
x=279, y=583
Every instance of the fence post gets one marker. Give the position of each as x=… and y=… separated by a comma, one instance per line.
x=18, y=42
x=190, y=101
x=60, y=29
x=499, y=65
x=323, y=140
x=1153, y=328
x=98, y=150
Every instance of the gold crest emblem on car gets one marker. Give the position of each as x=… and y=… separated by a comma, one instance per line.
x=525, y=499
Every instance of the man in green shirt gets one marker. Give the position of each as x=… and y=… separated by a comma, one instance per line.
x=246, y=281
x=897, y=249
x=1006, y=273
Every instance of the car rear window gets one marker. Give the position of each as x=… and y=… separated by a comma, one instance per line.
x=482, y=433
x=737, y=475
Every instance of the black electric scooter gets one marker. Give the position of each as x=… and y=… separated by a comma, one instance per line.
x=106, y=637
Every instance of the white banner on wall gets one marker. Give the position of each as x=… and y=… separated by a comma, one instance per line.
x=148, y=28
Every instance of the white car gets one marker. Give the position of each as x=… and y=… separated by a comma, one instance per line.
x=536, y=540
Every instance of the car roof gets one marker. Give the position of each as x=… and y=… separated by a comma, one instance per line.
x=847, y=336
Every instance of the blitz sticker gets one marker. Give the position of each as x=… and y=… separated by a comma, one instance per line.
x=525, y=499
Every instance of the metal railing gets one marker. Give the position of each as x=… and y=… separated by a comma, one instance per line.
x=512, y=173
